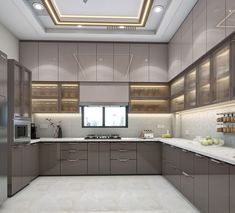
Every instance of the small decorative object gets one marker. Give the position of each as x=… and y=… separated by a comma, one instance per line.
x=57, y=128
x=85, y=1
x=209, y=141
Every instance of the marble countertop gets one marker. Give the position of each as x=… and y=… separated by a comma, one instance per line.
x=222, y=153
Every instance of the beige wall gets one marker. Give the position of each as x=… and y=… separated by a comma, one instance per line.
x=9, y=44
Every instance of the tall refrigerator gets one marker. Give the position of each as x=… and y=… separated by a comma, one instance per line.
x=3, y=127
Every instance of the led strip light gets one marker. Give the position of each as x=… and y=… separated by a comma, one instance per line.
x=140, y=22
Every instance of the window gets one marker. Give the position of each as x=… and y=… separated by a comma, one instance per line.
x=104, y=116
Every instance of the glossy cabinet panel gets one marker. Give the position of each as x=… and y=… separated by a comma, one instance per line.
x=87, y=61
x=177, y=104
x=29, y=58
x=158, y=65
x=93, y=158
x=18, y=93
x=49, y=155
x=218, y=187
x=177, y=86
x=215, y=14
x=204, y=84
x=221, y=68
x=26, y=164
x=190, y=89
x=104, y=158
x=187, y=42
x=121, y=63
x=48, y=61
x=149, y=158
x=199, y=29
x=68, y=67
x=26, y=98
x=139, y=67
x=232, y=188
x=104, y=62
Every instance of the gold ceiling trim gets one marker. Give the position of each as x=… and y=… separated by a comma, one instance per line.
x=141, y=21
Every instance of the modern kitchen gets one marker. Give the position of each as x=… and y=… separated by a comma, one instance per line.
x=123, y=106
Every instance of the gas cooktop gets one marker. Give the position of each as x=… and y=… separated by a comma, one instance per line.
x=105, y=137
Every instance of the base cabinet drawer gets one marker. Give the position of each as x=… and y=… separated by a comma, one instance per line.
x=73, y=167
x=123, y=154
x=74, y=146
x=123, y=146
x=123, y=167
x=187, y=186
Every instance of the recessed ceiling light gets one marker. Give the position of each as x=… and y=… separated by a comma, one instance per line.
x=121, y=27
x=38, y=6
x=158, y=8
x=79, y=26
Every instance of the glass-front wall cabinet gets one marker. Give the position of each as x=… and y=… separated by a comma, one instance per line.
x=221, y=68
x=177, y=104
x=177, y=86
x=17, y=91
x=204, y=85
x=149, y=98
x=191, y=89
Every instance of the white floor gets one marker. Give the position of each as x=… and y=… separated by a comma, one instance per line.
x=98, y=194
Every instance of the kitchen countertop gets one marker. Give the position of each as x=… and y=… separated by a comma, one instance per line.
x=222, y=153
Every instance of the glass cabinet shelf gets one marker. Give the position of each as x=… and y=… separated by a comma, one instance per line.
x=44, y=105
x=69, y=105
x=149, y=106
x=149, y=91
x=177, y=86
x=177, y=104
x=44, y=91
x=69, y=91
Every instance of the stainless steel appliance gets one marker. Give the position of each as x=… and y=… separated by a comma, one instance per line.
x=3, y=127
x=101, y=137
x=34, y=131
x=22, y=131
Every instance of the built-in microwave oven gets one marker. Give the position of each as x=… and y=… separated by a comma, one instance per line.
x=22, y=131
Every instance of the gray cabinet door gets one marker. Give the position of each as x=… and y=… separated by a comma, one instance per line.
x=121, y=62
x=104, y=62
x=215, y=13
x=87, y=61
x=149, y=157
x=48, y=61
x=93, y=158
x=158, y=64
x=187, y=42
x=199, y=29
x=16, y=170
x=49, y=159
x=68, y=67
x=201, y=183
x=123, y=167
x=218, y=187
x=29, y=58
x=104, y=158
x=26, y=165
x=139, y=66
x=232, y=188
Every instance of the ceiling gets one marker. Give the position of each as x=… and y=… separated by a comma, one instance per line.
x=30, y=24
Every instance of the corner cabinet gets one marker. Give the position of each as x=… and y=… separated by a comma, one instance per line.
x=51, y=97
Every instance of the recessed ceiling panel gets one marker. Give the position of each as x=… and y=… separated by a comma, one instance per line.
x=99, y=13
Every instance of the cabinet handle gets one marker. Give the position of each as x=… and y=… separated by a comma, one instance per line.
x=199, y=156
x=72, y=160
x=72, y=143
x=123, y=150
x=183, y=150
x=123, y=160
x=215, y=161
x=185, y=174
x=72, y=151
x=172, y=146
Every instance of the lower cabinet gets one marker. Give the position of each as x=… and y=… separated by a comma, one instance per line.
x=74, y=159
x=232, y=188
x=49, y=159
x=104, y=158
x=201, y=183
x=93, y=158
x=149, y=158
x=218, y=187
x=123, y=158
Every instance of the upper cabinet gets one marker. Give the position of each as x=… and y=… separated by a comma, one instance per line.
x=139, y=54
x=29, y=57
x=187, y=42
x=221, y=68
x=230, y=17
x=86, y=60
x=215, y=14
x=121, y=63
x=190, y=89
x=158, y=66
x=68, y=67
x=177, y=86
x=199, y=29
x=48, y=61
x=104, y=62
